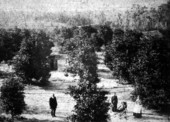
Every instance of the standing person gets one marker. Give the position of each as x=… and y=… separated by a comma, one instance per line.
x=137, y=111
x=53, y=105
x=114, y=102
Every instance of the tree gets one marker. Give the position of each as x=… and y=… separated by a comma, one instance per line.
x=10, y=41
x=91, y=101
x=121, y=53
x=12, y=96
x=101, y=35
x=163, y=11
x=151, y=72
x=31, y=63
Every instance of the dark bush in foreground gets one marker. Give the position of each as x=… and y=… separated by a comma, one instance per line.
x=12, y=96
x=151, y=72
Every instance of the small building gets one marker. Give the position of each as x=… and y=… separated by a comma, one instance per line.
x=53, y=60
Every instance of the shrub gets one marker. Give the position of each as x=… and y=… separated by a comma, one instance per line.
x=12, y=96
x=105, y=33
x=121, y=52
x=151, y=72
x=10, y=41
x=31, y=63
x=91, y=101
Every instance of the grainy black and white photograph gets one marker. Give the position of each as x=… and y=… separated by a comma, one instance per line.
x=84, y=60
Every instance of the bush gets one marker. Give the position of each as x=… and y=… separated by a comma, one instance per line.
x=151, y=72
x=12, y=96
x=105, y=33
x=121, y=53
x=10, y=41
x=31, y=63
x=62, y=36
x=91, y=101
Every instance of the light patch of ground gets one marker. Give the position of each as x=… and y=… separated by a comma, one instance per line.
x=6, y=68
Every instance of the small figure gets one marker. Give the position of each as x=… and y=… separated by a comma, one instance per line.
x=122, y=109
x=53, y=105
x=137, y=111
x=114, y=102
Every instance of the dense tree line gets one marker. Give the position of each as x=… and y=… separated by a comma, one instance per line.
x=143, y=60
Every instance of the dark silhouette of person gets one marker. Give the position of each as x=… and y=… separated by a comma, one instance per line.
x=53, y=105
x=114, y=102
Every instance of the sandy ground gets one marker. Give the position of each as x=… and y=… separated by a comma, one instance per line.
x=37, y=98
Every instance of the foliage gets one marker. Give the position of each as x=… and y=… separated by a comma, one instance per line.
x=104, y=35
x=163, y=11
x=101, y=36
x=143, y=18
x=121, y=52
x=31, y=63
x=12, y=96
x=10, y=41
x=62, y=37
x=151, y=72
x=91, y=101
x=143, y=60
x=79, y=20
